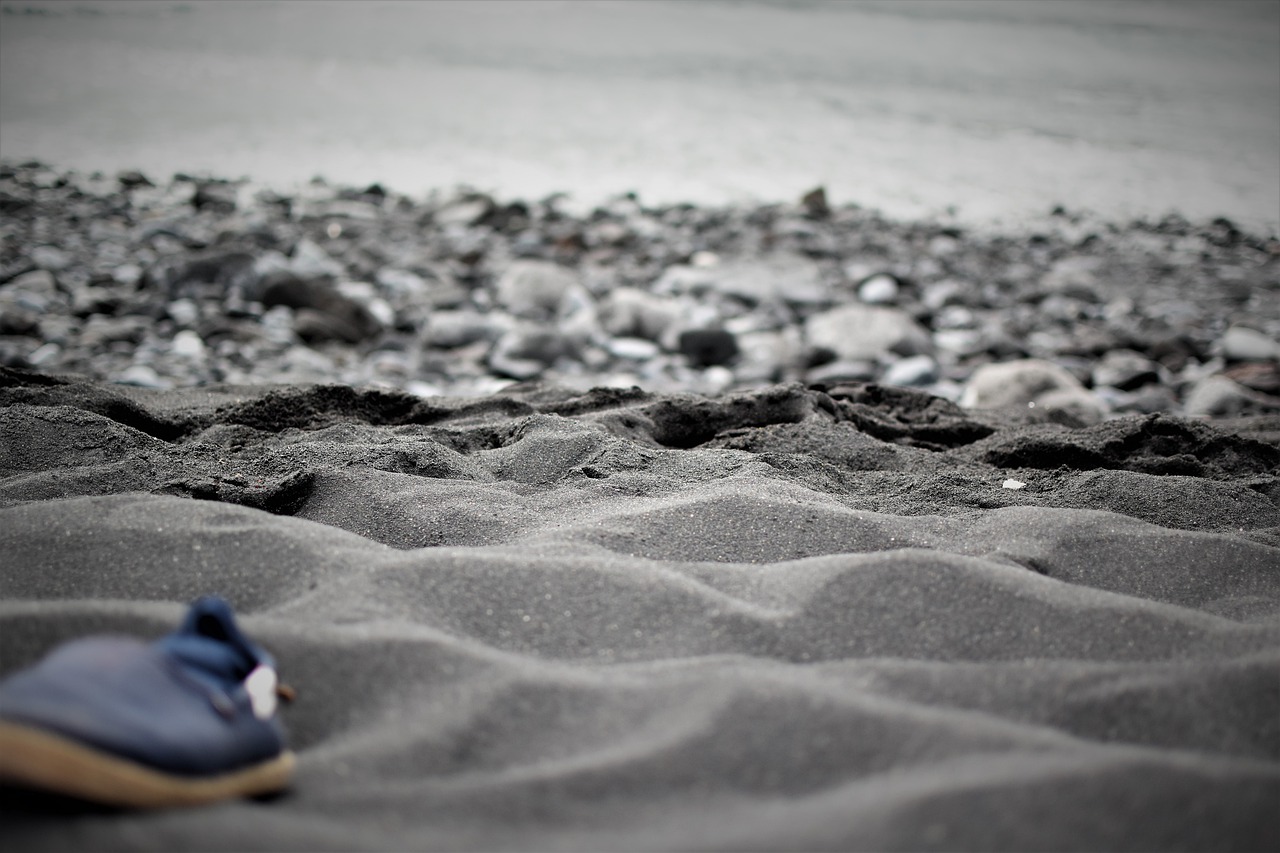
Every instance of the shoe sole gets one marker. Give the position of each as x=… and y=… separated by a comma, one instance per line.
x=39, y=759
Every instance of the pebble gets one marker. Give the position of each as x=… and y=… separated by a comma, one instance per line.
x=143, y=376
x=632, y=312
x=1218, y=396
x=453, y=329
x=913, y=372
x=310, y=261
x=786, y=277
x=50, y=258
x=708, y=347
x=836, y=372
x=865, y=332
x=1074, y=277
x=1240, y=343
x=633, y=349
x=534, y=290
x=188, y=344
x=1031, y=383
x=1126, y=370
x=183, y=312
x=879, y=289
x=38, y=288
x=44, y=354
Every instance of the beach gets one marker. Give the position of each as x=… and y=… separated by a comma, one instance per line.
x=559, y=610
x=662, y=426
x=525, y=622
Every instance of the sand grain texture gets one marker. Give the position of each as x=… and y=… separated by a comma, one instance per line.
x=781, y=619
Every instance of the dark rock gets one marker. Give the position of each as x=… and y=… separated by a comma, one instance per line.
x=18, y=321
x=322, y=312
x=132, y=178
x=226, y=269
x=215, y=197
x=1258, y=376
x=708, y=347
x=815, y=204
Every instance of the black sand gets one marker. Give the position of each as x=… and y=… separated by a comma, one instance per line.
x=783, y=619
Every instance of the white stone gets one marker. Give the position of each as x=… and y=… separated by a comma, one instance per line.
x=716, y=379
x=1241, y=343
x=127, y=274
x=44, y=354
x=311, y=261
x=631, y=312
x=861, y=332
x=187, y=344
x=1217, y=396
x=451, y=329
x=1031, y=383
x=682, y=278
x=634, y=349
x=184, y=312
x=401, y=282
x=143, y=376
x=878, y=290
x=911, y=372
x=50, y=258
x=39, y=282
x=418, y=388
x=534, y=289
x=1074, y=276
x=959, y=341
x=1013, y=484
x=786, y=277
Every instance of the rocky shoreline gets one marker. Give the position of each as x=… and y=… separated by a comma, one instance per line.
x=200, y=281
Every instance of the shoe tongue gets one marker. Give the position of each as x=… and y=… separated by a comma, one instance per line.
x=210, y=642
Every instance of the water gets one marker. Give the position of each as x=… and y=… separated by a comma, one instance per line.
x=998, y=109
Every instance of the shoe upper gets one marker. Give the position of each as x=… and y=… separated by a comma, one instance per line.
x=198, y=702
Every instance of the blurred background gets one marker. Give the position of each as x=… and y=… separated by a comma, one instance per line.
x=996, y=109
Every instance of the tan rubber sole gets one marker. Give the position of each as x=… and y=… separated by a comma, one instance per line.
x=39, y=759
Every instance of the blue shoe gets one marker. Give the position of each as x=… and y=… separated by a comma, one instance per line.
x=188, y=719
